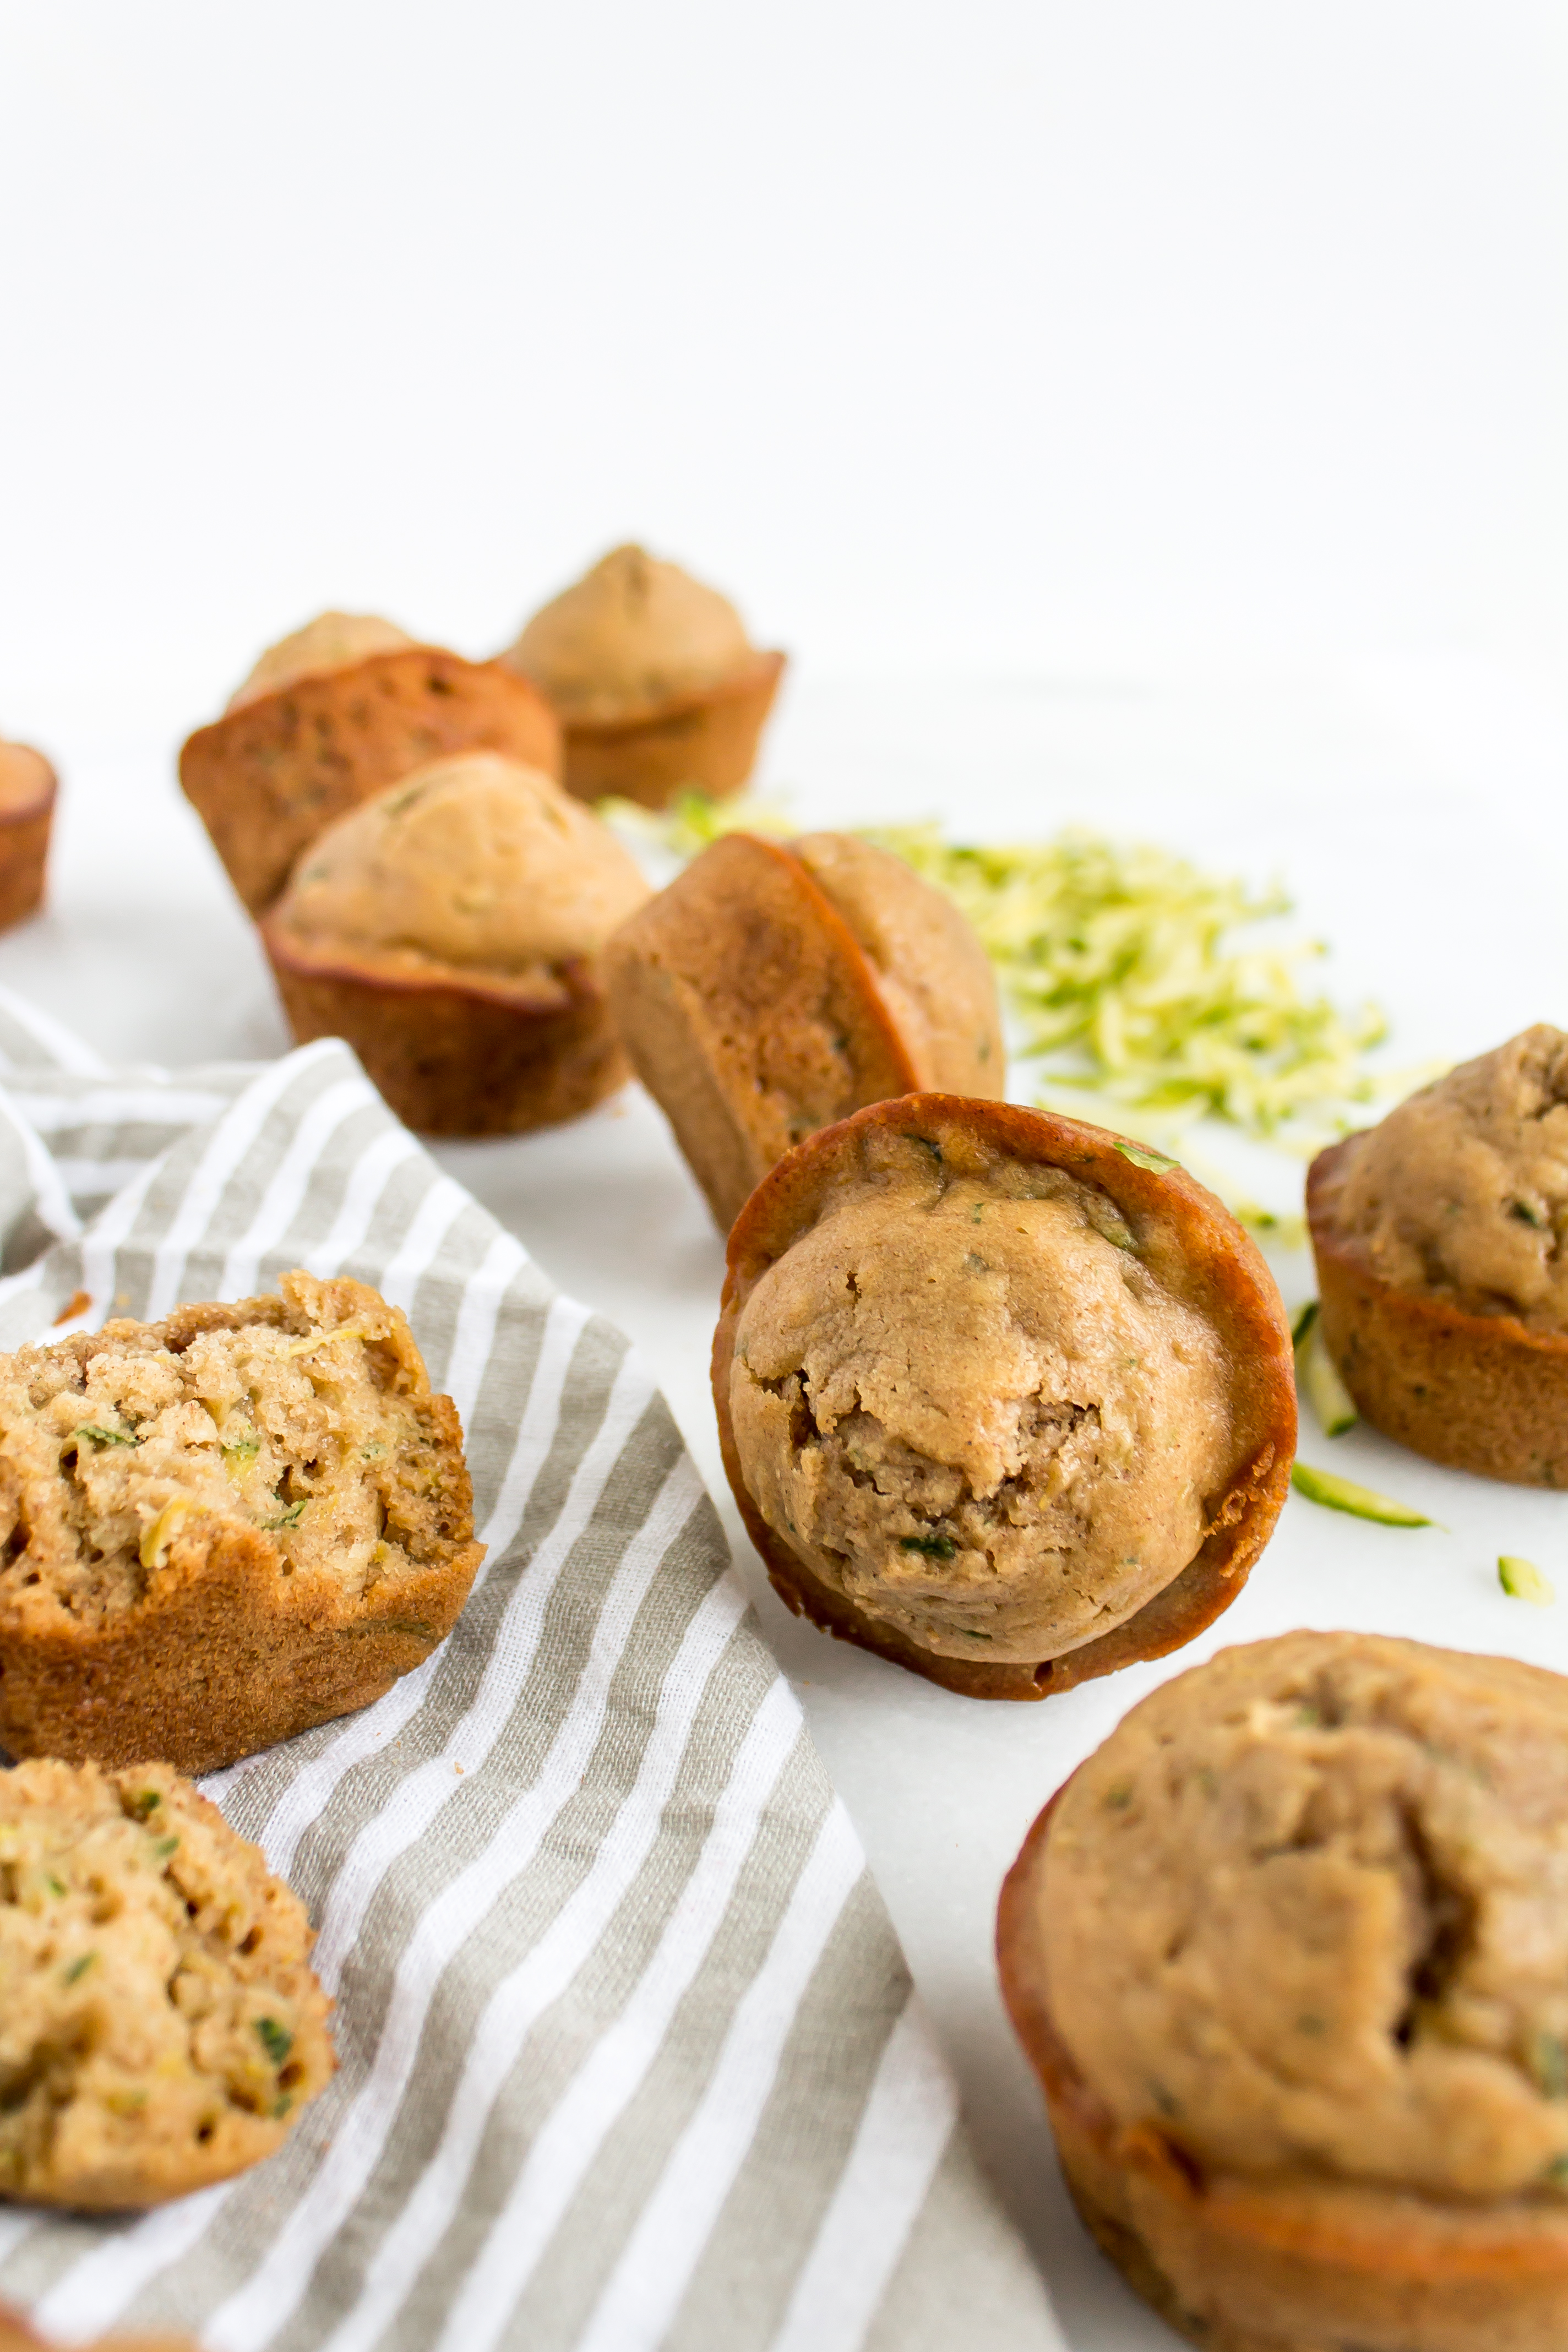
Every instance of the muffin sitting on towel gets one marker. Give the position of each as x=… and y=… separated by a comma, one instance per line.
x=221, y=1529
x=162, y=2027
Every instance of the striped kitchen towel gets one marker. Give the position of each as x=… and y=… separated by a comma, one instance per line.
x=629, y=2054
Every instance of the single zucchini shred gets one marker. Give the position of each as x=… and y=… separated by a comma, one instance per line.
x=1522, y=1580
x=1337, y=1493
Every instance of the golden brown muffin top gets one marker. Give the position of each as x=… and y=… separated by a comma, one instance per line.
x=967, y=1403
x=1307, y=1911
x=1462, y=1191
x=26, y=778
x=475, y=866
x=160, y=2026
x=633, y=632
x=331, y=640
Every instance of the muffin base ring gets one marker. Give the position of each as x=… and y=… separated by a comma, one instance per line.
x=458, y=1059
x=705, y=742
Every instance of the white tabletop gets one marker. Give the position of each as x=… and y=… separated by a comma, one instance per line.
x=1418, y=820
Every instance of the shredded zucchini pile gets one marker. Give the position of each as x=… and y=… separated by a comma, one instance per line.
x=1123, y=975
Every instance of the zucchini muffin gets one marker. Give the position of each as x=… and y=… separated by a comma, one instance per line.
x=1289, y=1954
x=331, y=715
x=656, y=682
x=997, y=1401
x=159, y=2024
x=27, y=790
x=1438, y=1238
x=221, y=1529
x=774, y=988
x=451, y=930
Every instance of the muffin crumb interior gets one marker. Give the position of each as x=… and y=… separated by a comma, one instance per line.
x=296, y=1416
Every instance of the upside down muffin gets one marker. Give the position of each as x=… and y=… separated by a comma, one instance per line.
x=221, y=1529
x=775, y=987
x=330, y=715
x=1438, y=1238
x=657, y=686
x=1289, y=1954
x=997, y=1401
x=451, y=930
x=159, y=2024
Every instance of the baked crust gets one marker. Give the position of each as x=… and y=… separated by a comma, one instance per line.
x=705, y=741
x=753, y=1015
x=270, y=776
x=459, y=1058
x=1480, y=1392
x=1185, y=1217
x=1248, y=2266
x=224, y=1650
x=29, y=787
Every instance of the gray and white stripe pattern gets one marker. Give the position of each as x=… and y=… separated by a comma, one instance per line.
x=629, y=2056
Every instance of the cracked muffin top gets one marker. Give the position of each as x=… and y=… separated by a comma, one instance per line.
x=1306, y=1911
x=331, y=640
x=159, y=2024
x=1462, y=1191
x=634, y=632
x=980, y=1399
x=473, y=866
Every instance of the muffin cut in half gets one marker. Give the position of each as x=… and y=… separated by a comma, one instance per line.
x=161, y=2028
x=326, y=718
x=1438, y=1236
x=997, y=1401
x=27, y=791
x=657, y=684
x=450, y=928
x=774, y=988
x=221, y=1529
x=1289, y=1955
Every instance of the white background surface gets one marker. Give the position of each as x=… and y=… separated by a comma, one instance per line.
x=1143, y=414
